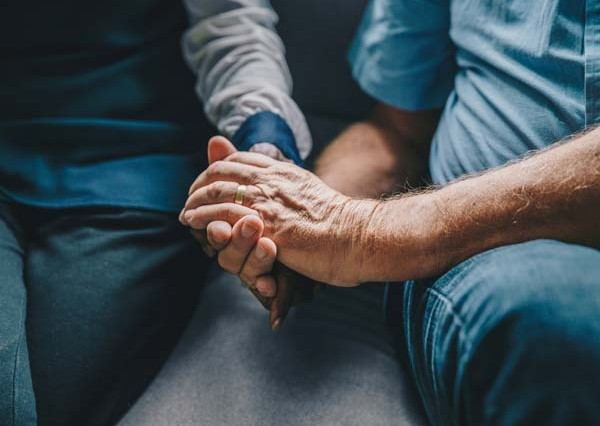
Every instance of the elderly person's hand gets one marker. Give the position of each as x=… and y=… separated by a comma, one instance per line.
x=243, y=251
x=313, y=226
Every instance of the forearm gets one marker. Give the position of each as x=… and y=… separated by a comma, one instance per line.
x=553, y=194
x=239, y=60
x=380, y=155
x=361, y=162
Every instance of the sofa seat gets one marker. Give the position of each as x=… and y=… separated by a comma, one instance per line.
x=332, y=363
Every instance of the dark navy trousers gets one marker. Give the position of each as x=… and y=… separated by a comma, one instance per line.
x=91, y=303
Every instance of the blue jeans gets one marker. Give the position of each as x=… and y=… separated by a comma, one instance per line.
x=509, y=337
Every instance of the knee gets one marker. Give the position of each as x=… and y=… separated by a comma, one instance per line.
x=543, y=336
x=541, y=295
x=534, y=335
x=536, y=363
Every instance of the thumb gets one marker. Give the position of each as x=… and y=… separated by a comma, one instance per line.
x=219, y=148
x=283, y=299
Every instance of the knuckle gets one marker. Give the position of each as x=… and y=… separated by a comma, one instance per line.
x=277, y=168
x=228, y=215
x=194, y=221
x=214, y=190
x=254, y=176
x=252, y=196
x=267, y=212
x=210, y=171
x=235, y=156
x=215, y=168
x=280, y=170
x=258, y=193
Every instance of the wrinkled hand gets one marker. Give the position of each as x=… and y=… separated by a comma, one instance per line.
x=311, y=224
x=243, y=251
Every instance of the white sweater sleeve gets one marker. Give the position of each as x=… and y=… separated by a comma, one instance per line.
x=239, y=59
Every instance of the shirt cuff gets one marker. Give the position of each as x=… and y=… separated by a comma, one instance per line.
x=268, y=127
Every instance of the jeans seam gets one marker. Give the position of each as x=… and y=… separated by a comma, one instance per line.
x=455, y=316
x=464, y=340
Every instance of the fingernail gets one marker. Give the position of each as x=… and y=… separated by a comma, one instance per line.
x=218, y=239
x=188, y=216
x=181, y=218
x=248, y=230
x=276, y=326
x=261, y=288
x=261, y=253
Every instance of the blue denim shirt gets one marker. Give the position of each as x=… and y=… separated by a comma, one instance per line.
x=511, y=75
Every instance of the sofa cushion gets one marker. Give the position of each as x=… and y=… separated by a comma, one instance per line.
x=331, y=364
x=317, y=35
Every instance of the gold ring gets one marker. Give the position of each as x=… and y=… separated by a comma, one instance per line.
x=240, y=193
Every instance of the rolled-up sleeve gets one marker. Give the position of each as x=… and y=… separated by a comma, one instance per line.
x=242, y=73
x=402, y=54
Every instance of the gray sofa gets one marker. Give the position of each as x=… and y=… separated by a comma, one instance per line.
x=333, y=362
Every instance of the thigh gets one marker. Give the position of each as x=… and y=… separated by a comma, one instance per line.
x=17, y=404
x=109, y=293
x=508, y=332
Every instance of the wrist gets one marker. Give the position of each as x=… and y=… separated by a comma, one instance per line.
x=398, y=239
x=355, y=238
x=267, y=127
x=425, y=230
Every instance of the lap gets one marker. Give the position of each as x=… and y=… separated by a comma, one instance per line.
x=535, y=302
x=109, y=291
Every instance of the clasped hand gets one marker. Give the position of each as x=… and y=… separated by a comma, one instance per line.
x=287, y=214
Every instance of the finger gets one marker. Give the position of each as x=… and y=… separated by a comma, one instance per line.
x=219, y=148
x=264, y=301
x=251, y=159
x=214, y=193
x=283, y=299
x=260, y=262
x=244, y=236
x=220, y=192
x=266, y=284
x=226, y=171
x=200, y=217
x=269, y=150
x=218, y=234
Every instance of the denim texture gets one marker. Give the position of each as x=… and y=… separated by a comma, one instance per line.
x=17, y=401
x=509, y=337
x=93, y=301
